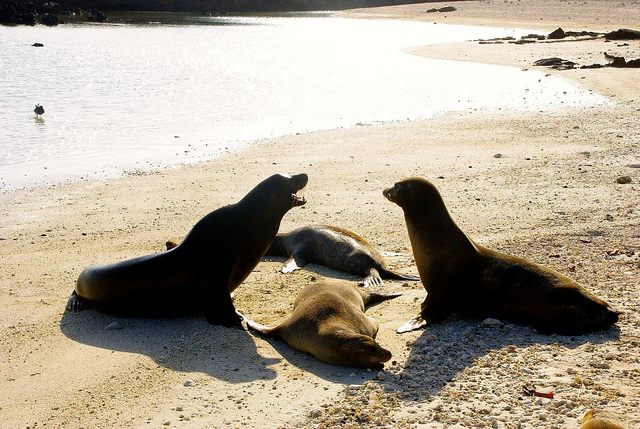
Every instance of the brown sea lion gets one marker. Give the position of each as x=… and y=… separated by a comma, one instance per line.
x=600, y=419
x=199, y=274
x=328, y=321
x=336, y=248
x=462, y=277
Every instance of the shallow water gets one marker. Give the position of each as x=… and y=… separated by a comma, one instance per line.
x=123, y=98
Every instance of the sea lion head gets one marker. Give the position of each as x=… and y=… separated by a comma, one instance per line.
x=414, y=194
x=279, y=191
x=361, y=351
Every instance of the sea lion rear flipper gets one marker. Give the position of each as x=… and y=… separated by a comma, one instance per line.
x=371, y=297
x=373, y=279
x=264, y=330
x=412, y=325
x=292, y=264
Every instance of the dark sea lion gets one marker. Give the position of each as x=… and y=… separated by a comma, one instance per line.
x=600, y=419
x=336, y=248
x=462, y=277
x=328, y=321
x=199, y=274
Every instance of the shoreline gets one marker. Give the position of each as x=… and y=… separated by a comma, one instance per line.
x=551, y=197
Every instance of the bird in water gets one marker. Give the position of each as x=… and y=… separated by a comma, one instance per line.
x=39, y=110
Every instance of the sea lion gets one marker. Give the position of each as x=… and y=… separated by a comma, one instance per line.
x=200, y=273
x=336, y=248
x=600, y=419
x=462, y=277
x=328, y=321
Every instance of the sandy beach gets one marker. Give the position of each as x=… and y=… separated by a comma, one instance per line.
x=540, y=185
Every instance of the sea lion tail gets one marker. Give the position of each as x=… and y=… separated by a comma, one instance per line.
x=390, y=275
x=261, y=329
x=371, y=297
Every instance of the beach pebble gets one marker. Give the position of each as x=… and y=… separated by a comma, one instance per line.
x=189, y=383
x=634, y=165
x=623, y=180
x=113, y=326
x=497, y=155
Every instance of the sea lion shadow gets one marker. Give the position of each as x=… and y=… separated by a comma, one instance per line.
x=445, y=350
x=326, y=371
x=186, y=344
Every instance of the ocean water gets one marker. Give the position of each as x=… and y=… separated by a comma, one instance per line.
x=126, y=98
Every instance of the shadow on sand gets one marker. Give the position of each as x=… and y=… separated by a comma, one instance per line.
x=445, y=350
x=190, y=344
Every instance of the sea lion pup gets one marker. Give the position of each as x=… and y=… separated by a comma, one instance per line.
x=600, y=419
x=462, y=277
x=336, y=248
x=328, y=321
x=200, y=273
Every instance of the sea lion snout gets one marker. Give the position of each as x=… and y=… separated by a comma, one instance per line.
x=298, y=182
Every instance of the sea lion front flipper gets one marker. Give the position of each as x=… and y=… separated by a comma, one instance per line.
x=292, y=264
x=77, y=303
x=373, y=279
x=220, y=310
x=412, y=325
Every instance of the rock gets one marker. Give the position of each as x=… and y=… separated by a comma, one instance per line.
x=497, y=155
x=623, y=34
x=633, y=64
x=491, y=322
x=188, y=383
x=447, y=9
x=623, y=180
x=557, y=34
x=555, y=63
x=49, y=20
x=633, y=165
x=38, y=45
x=95, y=15
x=113, y=326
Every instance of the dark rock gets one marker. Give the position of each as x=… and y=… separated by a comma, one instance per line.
x=49, y=20
x=38, y=45
x=556, y=63
x=548, y=61
x=432, y=10
x=582, y=34
x=634, y=64
x=618, y=62
x=623, y=34
x=557, y=34
x=592, y=66
x=447, y=9
x=534, y=36
x=95, y=15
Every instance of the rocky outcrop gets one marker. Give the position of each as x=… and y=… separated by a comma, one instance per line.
x=623, y=34
x=30, y=12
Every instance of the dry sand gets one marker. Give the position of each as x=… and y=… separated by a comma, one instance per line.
x=551, y=197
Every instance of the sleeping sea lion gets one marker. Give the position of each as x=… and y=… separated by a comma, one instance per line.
x=600, y=419
x=336, y=248
x=328, y=321
x=199, y=274
x=462, y=277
